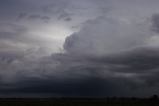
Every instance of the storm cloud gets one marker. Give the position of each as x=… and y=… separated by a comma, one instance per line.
x=113, y=50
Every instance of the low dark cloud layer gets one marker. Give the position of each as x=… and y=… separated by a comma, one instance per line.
x=65, y=75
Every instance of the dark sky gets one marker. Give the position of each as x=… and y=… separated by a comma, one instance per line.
x=72, y=48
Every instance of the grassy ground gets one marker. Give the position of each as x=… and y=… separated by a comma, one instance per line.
x=78, y=102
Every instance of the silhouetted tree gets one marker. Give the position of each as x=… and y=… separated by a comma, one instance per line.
x=154, y=97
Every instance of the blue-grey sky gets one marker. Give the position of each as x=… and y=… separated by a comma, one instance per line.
x=79, y=48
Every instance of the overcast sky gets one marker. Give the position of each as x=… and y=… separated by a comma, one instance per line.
x=75, y=48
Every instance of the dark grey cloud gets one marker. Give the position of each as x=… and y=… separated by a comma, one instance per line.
x=72, y=75
x=37, y=16
x=155, y=23
x=63, y=88
x=21, y=16
x=25, y=16
x=114, y=53
x=89, y=86
x=66, y=16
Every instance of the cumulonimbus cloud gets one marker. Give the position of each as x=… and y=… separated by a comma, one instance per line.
x=113, y=54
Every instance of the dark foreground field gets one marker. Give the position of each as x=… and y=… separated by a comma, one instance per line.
x=79, y=102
